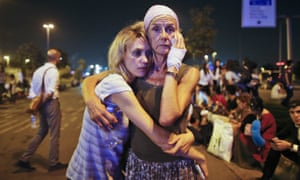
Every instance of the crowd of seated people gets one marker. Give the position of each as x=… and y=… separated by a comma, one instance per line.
x=253, y=124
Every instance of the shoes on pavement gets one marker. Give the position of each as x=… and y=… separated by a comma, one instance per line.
x=25, y=165
x=57, y=166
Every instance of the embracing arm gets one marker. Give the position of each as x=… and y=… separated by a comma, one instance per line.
x=176, y=97
x=96, y=109
x=200, y=159
x=188, y=152
x=129, y=104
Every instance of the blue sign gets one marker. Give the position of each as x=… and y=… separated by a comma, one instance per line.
x=258, y=13
x=261, y=2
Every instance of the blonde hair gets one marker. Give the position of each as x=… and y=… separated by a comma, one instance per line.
x=119, y=47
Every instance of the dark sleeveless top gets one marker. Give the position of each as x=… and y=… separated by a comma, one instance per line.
x=150, y=96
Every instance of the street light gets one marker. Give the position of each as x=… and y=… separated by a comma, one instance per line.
x=27, y=61
x=214, y=55
x=7, y=59
x=48, y=27
x=206, y=57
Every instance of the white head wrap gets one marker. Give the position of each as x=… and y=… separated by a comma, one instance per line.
x=157, y=10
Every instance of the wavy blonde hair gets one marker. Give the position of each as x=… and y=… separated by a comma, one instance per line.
x=119, y=46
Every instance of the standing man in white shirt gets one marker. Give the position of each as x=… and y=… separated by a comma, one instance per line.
x=49, y=112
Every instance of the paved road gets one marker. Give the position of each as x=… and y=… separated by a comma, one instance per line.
x=16, y=132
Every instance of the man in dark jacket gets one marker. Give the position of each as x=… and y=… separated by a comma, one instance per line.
x=288, y=147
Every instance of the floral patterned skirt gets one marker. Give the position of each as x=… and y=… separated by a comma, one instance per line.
x=138, y=169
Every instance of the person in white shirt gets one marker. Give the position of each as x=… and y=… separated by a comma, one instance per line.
x=217, y=76
x=50, y=114
x=231, y=77
x=206, y=76
x=278, y=91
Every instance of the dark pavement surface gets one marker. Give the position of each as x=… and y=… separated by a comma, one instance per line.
x=16, y=132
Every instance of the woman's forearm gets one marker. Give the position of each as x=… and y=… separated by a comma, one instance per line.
x=140, y=118
x=177, y=96
x=96, y=109
x=89, y=84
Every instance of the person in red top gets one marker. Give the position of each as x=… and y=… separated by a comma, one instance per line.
x=251, y=148
x=219, y=101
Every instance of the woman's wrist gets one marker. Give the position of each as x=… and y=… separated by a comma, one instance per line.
x=172, y=69
x=293, y=147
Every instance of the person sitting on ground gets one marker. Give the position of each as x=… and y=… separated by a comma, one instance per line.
x=218, y=101
x=231, y=96
x=199, y=125
x=252, y=143
x=287, y=146
x=278, y=92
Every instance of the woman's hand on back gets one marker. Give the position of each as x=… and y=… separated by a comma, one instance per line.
x=100, y=115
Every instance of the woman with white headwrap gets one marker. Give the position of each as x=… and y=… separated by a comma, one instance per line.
x=165, y=94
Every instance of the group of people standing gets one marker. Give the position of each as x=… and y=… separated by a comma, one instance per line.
x=135, y=121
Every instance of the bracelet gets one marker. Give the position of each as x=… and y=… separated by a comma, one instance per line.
x=294, y=147
x=173, y=74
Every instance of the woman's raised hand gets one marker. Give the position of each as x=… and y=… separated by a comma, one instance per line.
x=177, y=51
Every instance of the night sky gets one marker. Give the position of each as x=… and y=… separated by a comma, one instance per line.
x=85, y=28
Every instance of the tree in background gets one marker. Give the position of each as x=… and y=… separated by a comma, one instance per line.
x=64, y=66
x=199, y=39
x=64, y=60
x=29, y=56
x=79, y=70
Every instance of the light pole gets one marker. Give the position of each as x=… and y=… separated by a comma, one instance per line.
x=288, y=23
x=48, y=27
